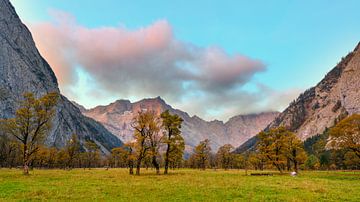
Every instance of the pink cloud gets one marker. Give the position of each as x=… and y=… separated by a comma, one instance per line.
x=148, y=61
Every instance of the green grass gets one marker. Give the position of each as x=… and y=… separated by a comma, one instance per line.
x=179, y=185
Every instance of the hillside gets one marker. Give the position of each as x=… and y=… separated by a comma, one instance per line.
x=117, y=117
x=318, y=108
x=23, y=69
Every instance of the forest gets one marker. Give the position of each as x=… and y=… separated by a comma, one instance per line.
x=158, y=144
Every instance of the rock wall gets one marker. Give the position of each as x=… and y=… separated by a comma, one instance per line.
x=117, y=118
x=23, y=69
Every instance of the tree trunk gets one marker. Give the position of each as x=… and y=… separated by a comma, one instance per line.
x=131, y=167
x=203, y=164
x=288, y=164
x=26, y=168
x=156, y=165
x=167, y=159
x=278, y=167
x=26, y=160
x=138, y=165
x=296, y=166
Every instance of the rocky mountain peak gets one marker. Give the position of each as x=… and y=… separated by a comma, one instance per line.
x=357, y=48
x=26, y=61
x=79, y=106
x=318, y=108
x=23, y=69
x=117, y=118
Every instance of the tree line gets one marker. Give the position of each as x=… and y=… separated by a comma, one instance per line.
x=158, y=143
x=337, y=148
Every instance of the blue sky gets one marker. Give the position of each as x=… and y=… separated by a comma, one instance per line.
x=297, y=41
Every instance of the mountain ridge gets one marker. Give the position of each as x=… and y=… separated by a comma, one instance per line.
x=321, y=106
x=23, y=69
x=118, y=115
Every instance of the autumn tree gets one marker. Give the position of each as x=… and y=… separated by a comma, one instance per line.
x=51, y=157
x=9, y=150
x=272, y=145
x=146, y=127
x=238, y=161
x=294, y=150
x=130, y=156
x=124, y=156
x=175, y=145
x=257, y=160
x=224, y=156
x=72, y=149
x=118, y=156
x=42, y=156
x=32, y=123
x=92, y=154
x=154, y=138
x=202, y=153
x=346, y=134
x=61, y=159
x=191, y=162
x=351, y=161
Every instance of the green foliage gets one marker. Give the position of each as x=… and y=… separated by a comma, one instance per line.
x=175, y=145
x=340, y=151
x=316, y=144
x=224, y=156
x=312, y=162
x=202, y=154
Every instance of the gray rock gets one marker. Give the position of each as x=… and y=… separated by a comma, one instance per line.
x=117, y=118
x=334, y=97
x=23, y=69
x=320, y=107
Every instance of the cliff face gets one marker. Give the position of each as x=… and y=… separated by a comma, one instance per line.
x=318, y=108
x=117, y=117
x=22, y=69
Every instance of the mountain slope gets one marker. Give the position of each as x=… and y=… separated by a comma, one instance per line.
x=318, y=108
x=22, y=69
x=117, y=117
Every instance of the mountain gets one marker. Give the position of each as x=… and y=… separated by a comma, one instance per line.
x=23, y=69
x=318, y=108
x=117, y=117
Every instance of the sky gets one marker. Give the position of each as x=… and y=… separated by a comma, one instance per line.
x=214, y=59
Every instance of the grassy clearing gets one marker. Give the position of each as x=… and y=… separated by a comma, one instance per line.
x=181, y=185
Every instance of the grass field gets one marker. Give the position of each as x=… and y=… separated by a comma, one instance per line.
x=180, y=185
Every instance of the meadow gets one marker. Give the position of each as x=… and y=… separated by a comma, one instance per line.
x=179, y=185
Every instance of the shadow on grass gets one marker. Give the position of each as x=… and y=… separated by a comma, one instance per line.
x=161, y=174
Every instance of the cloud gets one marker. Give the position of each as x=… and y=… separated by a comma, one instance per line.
x=238, y=101
x=146, y=62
